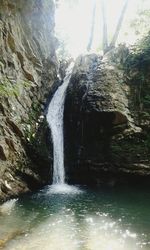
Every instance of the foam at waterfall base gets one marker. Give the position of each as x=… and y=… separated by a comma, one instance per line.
x=8, y=206
x=63, y=189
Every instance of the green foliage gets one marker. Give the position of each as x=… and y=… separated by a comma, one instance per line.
x=7, y=88
x=141, y=24
x=10, y=88
x=25, y=84
x=137, y=66
x=139, y=57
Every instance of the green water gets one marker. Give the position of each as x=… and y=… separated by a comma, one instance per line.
x=110, y=219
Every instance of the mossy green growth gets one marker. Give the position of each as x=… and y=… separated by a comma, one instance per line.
x=145, y=115
x=10, y=88
x=137, y=66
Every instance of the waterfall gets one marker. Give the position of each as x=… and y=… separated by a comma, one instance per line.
x=55, y=121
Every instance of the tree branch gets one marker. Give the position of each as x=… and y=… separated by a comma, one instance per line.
x=114, y=39
x=105, y=35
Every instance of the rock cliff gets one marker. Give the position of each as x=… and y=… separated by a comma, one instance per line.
x=105, y=142
x=28, y=69
x=106, y=136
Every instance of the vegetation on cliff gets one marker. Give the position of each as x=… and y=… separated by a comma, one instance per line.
x=137, y=65
x=28, y=69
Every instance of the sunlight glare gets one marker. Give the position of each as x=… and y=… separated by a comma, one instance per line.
x=73, y=23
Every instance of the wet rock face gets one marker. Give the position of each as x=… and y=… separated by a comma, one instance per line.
x=97, y=86
x=27, y=73
x=101, y=136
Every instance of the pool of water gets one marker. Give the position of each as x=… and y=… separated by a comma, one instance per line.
x=85, y=219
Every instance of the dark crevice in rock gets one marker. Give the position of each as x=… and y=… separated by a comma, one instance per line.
x=2, y=154
x=14, y=128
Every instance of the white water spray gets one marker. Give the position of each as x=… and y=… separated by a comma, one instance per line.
x=55, y=121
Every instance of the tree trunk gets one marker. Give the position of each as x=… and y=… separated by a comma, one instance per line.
x=114, y=39
x=105, y=35
x=92, y=28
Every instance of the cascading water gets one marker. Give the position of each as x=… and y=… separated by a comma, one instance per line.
x=55, y=121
